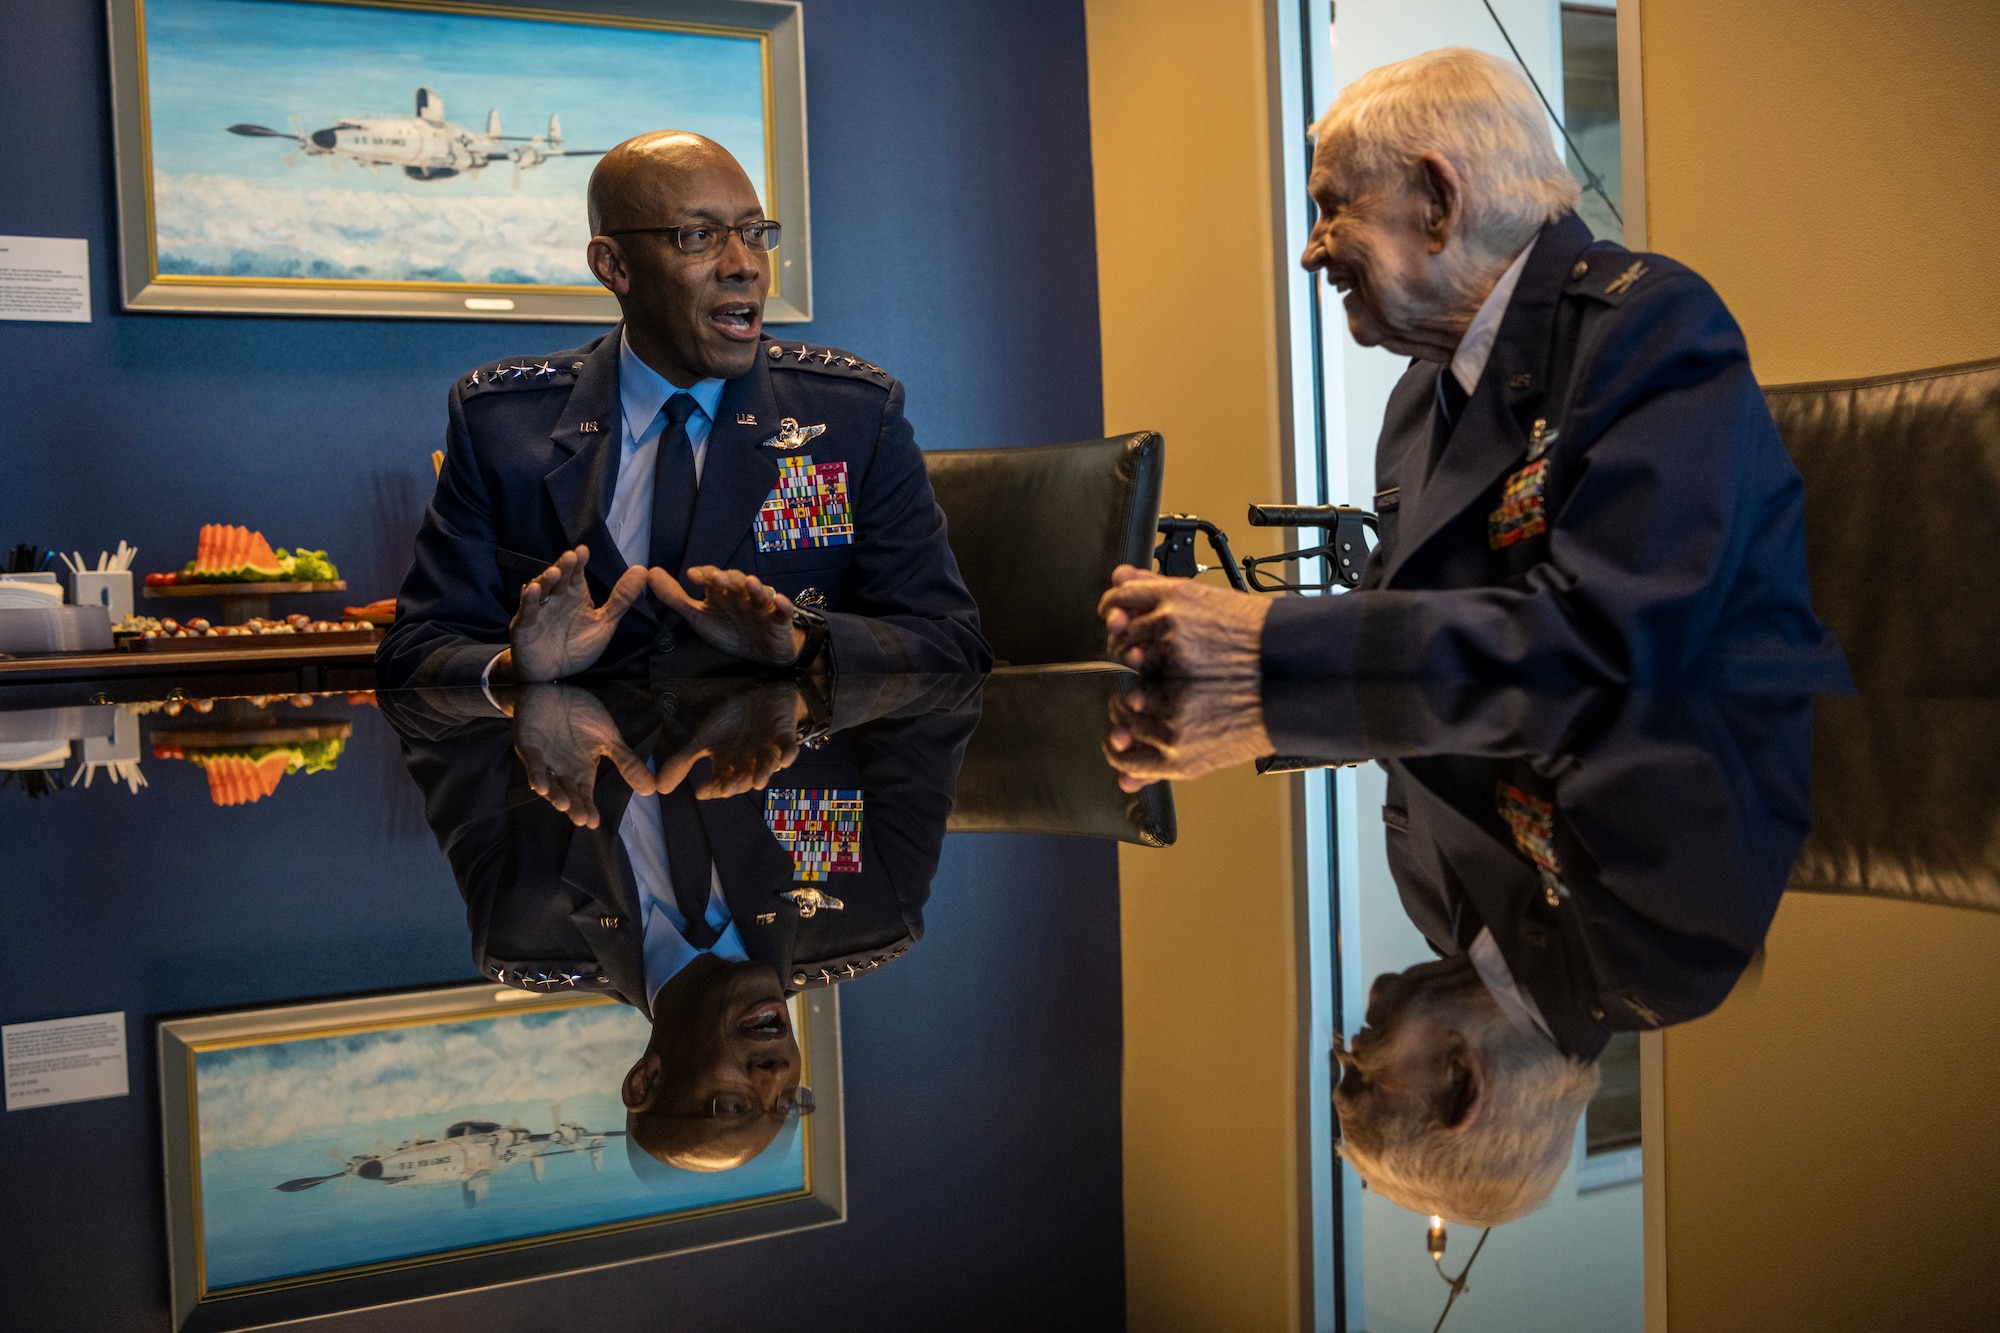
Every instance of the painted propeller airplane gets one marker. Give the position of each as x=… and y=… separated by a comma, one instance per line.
x=468, y=1155
x=426, y=145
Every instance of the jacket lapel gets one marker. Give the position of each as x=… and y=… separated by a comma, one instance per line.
x=754, y=870
x=1488, y=440
x=736, y=475
x=598, y=866
x=589, y=432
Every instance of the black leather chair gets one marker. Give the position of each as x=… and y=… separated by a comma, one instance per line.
x=1903, y=522
x=1038, y=530
x=1903, y=535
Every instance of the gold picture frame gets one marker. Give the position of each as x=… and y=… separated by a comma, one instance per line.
x=243, y=1254
x=197, y=83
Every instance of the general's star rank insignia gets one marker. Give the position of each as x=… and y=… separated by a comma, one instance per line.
x=791, y=435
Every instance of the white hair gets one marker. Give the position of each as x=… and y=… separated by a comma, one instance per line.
x=1474, y=110
x=1500, y=1167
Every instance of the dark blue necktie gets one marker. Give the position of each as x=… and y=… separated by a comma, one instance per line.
x=674, y=486
x=688, y=860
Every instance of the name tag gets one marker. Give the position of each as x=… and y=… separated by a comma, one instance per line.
x=819, y=827
x=1523, y=511
x=807, y=508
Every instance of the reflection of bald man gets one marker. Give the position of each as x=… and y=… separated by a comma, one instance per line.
x=682, y=485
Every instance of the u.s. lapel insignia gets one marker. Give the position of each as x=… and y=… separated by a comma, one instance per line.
x=586, y=427
x=791, y=435
x=746, y=418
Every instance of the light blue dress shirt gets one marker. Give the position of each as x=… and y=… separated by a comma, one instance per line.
x=642, y=392
x=667, y=950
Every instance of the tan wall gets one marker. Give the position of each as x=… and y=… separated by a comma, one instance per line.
x=1830, y=1139
x=1833, y=167
x=1184, y=253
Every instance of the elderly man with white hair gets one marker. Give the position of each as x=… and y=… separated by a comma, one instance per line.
x=1577, y=477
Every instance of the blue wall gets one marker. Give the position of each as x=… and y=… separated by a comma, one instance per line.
x=954, y=244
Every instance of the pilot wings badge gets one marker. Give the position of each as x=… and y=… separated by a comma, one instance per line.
x=791, y=435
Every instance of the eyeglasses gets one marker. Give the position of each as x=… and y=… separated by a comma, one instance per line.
x=735, y=1106
x=698, y=238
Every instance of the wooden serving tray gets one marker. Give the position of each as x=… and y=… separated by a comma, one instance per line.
x=240, y=589
x=225, y=643
x=211, y=738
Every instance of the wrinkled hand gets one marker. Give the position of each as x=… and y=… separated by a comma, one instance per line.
x=739, y=614
x=557, y=632
x=746, y=737
x=561, y=733
x=1177, y=729
x=1178, y=627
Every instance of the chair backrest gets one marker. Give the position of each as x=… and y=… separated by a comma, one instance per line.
x=1037, y=531
x=1903, y=521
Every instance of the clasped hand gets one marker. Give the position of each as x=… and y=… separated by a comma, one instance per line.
x=558, y=631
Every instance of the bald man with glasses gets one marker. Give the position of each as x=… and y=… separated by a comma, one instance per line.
x=683, y=494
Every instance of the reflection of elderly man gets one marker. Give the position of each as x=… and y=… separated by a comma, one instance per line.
x=1452, y=1101
x=1577, y=478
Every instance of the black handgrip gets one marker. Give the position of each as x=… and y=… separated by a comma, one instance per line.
x=1296, y=516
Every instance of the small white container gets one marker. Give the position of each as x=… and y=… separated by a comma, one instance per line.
x=111, y=589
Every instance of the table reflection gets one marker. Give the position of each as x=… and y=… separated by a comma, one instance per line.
x=1582, y=865
x=700, y=852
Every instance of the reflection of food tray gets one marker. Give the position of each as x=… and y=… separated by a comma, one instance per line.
x=224, y=643
x=214, y=738
x=250, y=589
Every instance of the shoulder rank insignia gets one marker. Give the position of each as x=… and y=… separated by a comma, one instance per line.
x=806, y=356
x=791, y=435
x=1633, y=272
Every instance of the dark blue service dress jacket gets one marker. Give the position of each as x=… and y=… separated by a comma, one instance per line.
x=531, y=456
x=1613, y=504
x=1627, y=849
x=552, y=907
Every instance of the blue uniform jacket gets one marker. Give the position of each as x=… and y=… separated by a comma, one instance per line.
x=553, y=907
x=1672, y=822
x=530, y=461
x=1663, y=542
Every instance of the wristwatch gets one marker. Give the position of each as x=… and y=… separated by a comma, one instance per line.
x=813, y=622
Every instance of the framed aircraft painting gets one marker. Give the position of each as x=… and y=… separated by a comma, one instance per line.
x=427, y=159
x=356, y=1153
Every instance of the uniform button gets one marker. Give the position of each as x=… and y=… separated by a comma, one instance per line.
x=665, y=642
x=1596, y=1014
x=798, y=978
x=775, y=352
x=1581, y=268
x=1553, y=900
